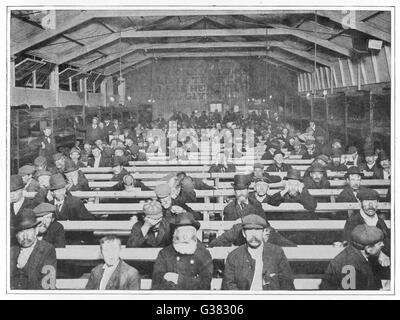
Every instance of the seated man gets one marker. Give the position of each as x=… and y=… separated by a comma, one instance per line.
x=322, y=160
x=67, y=206
x=384, y=172
x=98, y=160
x=114, y=274
x=171, y=206
x=260, y=193
x=336, y=165
x=118, y=173
x=18, y=200
x=316, y=179
x=43, y=177
x=32, y=259
x=355, y=268
x=257, y=265
x=357, y=160
x=185, y=264
x=237, y=208
x=199, y=184
x=152, y=230
x=279, y=166
x=367, y=214
x=353, y=178
x=59, y=161
x=270, y=150
x=76, y=179
x=370, y=168
x=27, y=174
x=259, y=173
x=119, y=151
x=48, y=229
x=130, y=183
x=298, y=149
x=311, y=152
x=75, y=155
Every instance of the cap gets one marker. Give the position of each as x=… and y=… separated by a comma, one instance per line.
x=163, y=190
x=323, y=157
x=16, y=182
x=365, y=235
x=279, y=152
x=57, y=181
x=128, y=179
x=352, y=149
x=293, y=174
x=369, y=153
x=27, y=169
x=39, y=161
x=254, y=221
x=153, y=209
x=44, y=209
x=353, y=170
x=367, y=194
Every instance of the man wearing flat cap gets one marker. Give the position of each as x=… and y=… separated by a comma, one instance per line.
x=316, y=179
x=171, y=206
x=257, y=265
x=369, y=199
x=75, y=178
x=48, y=229
x=385, y=170
x=152, y=229
x=238, y=207
x=185, y=264
x=33, y=261
x=27, y=173
x=355, y=268
x=278, y=165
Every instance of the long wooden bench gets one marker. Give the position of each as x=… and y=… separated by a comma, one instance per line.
x=238, y=161
x=216, y=283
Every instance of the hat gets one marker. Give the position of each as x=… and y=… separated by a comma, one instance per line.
x=163, y=190
x=369, y=153
x=117, y=161
x=75, y=150
x=274, y=144
x=254, y=221
x=279, y=151
x=57, y=156
x=185, y=219
x=353, y=170
x=70, y=166
x=258, y=165
x=365, y=235
x=44, y=209
x=25, y=219
x=384, y=156
x=323, y=157
x=153, y=209
x=317, y=167
x=367, y=194
x=293, y=174
x=16, y=182
x=57, y=181
x=263, y=179
x=241, y=182
x=27, y=169
x=40, y=173
x=352, y=149
x=39, y=161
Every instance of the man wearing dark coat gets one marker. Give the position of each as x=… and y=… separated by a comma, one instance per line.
x=47, y=145
x=370, y=168
x=353, y=178
x=356, y=267
x=257, y=265
x=98, y=160
x=76, y=179
x=316, y=179
x=153, y=230
x=27, y=173
x=114, y=273
x=33, y=263
x=93, y=131
x=185, y=264
x=279, y=166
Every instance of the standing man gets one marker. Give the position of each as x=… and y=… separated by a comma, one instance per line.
x=32, y=259
x=47, y=144
x=257, y=265
x=114, y=273
x=93, y=131
x=185, y=264
x=317, y=178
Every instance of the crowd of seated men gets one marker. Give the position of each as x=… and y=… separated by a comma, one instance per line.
x=169, y=222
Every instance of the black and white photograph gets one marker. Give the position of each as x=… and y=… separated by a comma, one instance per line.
x=199, y=150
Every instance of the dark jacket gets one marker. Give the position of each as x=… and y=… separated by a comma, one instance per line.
x=124, y=277
x=195, y=271
x=27, y=203
x=220, y=168
x=356, y=219
x=176, y=202
x=82, y=185
x=347, y=194
x=267, y=156
x=55, y=235
x=104, y=162
x=73, y=209
x=49, y=148
x=365, y=279
x=233, y=211
x=30, y=276
x=274, y=168
x=119, y=178
x=309, y=183
x=308, y=201
x=375, y=170
x=33, y=186
x=239, y=269
x=92, y=134
x=235, y=237
x=163, y=239
x=199, y=184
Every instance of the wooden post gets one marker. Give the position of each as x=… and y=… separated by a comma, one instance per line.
x=70, y=83
x=327, y=116
x=371, y=114
x=34, y=79
x=12, y=72
x=284, y=107
x=312, y=109
x=346, y=113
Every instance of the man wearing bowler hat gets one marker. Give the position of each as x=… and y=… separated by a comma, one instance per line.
x=238, y=207
x=47, y=144
x=76, y=179
x=322, y=160
x=33, y=261
x=367, y=214
x=278, y=165
x=270, y=150
x=152, y=229
x=353, y=179
x=185, y=264
x=48, y=229
x=316, y=179
x=27, y=173
x=67, y=206
x=355, y=268
x=257, y=265
x=336, y=165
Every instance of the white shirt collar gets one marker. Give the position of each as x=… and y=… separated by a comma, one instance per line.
x=371, y=221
